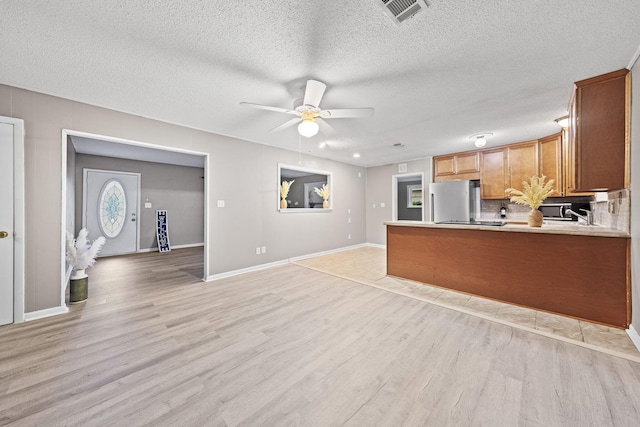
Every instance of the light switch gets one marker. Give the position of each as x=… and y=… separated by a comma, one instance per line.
x=221, y=203
x=147, y=205
x=382, y=205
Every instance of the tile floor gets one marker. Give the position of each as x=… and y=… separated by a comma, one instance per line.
x=367, y=265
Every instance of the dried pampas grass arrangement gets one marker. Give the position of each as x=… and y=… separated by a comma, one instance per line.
x=80, y=253
x=284, y=188
x=532, y=194
x=322, y=192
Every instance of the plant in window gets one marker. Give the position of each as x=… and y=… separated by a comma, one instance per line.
x=324, y=193
x=284, y=192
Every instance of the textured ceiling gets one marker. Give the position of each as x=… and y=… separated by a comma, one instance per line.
x=453, y=70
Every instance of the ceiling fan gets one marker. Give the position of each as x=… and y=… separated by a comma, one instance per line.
x=309, y=116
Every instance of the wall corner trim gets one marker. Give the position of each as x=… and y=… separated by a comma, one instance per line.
x=47, y=312
x=635, y=337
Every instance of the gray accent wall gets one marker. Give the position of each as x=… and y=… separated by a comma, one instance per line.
x=177, y=189
x=406, y=213
x=242, y=174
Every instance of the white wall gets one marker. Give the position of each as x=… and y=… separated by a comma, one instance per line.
x=241, y=173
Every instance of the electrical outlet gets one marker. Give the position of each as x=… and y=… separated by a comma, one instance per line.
x=349, y=236
x=258, y=250
x=382, y=205
x=263, y=249
x=349, y=220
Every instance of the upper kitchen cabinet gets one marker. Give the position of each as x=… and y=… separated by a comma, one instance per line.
x=599, y=132
x=550, y=148
x=507, y=166
x=456, y=166
x=493, y=173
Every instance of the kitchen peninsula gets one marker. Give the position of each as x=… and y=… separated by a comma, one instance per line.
x=573, y=270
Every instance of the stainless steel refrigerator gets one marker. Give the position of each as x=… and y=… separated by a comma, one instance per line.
x=455, y=201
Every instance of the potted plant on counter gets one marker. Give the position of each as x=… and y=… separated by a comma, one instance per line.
x=80, y=255
x=532, y=195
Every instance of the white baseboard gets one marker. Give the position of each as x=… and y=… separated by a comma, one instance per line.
x=244, y=270
x=188, y=245
x=47, y=312
x=332, y=251
x=285, y=261
x=635, y=337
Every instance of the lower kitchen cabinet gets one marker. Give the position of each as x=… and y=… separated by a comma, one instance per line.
x=585, y=277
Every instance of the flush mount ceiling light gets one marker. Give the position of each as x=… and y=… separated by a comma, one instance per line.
x=563, y=121
x=308, y=126
x=480, y=139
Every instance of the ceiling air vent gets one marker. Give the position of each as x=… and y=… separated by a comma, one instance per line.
x=401, y=10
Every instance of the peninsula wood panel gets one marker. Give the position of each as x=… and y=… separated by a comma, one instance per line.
x=579, y=276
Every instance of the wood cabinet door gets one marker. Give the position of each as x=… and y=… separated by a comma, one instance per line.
x=444, y=165
x=523, y=163
x=493, y=173
x=467, y=163
x=602, y=132
x=551, y=161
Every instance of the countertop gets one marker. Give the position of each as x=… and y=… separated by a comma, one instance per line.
x=547, y=228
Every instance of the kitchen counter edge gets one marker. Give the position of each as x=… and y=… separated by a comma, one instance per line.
x=578, y=230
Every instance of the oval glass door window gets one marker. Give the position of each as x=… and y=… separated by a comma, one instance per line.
x=112, y=208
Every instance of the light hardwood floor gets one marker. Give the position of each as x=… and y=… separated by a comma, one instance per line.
x=289, y=345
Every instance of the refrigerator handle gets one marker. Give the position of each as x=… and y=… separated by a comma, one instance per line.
x=431, y=206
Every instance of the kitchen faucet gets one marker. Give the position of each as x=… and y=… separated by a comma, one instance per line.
x=588, y=217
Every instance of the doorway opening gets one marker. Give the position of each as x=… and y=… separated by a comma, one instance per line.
x=80, y=147
x=408, y=197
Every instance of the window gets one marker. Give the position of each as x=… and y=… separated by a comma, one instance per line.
x=112, y=208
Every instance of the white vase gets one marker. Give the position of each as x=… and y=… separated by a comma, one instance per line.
x=78, y=274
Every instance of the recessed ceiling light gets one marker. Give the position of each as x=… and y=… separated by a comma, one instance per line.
x=356, y=155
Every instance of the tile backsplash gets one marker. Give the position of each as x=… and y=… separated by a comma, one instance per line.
x=612, y=210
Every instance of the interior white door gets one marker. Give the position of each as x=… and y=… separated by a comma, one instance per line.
x=6, y=224
x=110, y=209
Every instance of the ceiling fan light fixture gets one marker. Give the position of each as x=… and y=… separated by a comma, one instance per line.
x=480, y=139
x=308, y=128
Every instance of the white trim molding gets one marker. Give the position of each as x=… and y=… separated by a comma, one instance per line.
x=188, y=245
x=47, y=312
x=244, y=270
x=285, y=261
x=635, y=337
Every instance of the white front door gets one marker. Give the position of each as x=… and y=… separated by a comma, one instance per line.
x=6, y=223
x=110, y=209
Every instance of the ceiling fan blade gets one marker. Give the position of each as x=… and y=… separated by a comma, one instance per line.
x=270, y=108
x=325, y=128
x=285, y=125
x=345, y=113
x=314, y=92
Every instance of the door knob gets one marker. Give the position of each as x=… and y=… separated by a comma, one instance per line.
x=3, y=234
